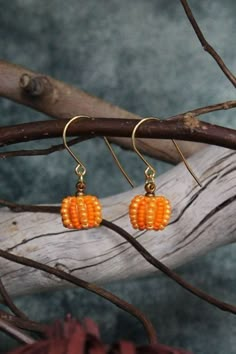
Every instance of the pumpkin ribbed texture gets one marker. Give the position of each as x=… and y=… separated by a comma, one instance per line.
x=81, y=212
x=149, y=212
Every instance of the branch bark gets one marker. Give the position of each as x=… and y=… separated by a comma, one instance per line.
x=99, y=255
x=188, y=127
x=59, y=100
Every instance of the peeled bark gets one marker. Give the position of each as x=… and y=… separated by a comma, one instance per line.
x=202, y=219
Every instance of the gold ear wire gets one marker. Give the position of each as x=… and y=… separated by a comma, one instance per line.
x=150, y=171
x=80, y=169
x=118, y=162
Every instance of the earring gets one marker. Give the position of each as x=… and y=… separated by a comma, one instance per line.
x=149, y=211
x=80, y=211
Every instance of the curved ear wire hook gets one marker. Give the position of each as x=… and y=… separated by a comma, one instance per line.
x=150, y=171
x=80, y=169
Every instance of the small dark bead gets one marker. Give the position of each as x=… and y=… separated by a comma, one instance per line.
x=80, y=187
x=150, y=188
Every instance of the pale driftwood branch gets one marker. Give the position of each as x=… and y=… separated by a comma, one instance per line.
x=60, y=100
x=202, y=219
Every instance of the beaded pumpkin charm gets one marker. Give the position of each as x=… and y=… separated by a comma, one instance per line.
x=148, y=211
x=80, y=211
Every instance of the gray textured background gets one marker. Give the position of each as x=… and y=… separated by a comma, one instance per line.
x=143, y=56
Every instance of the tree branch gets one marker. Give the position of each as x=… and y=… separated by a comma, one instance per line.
x=99, y=291
x=171, y=274
x=88, y=286
x=60, y=100
x=206, y=46
x=15, y=332
x=187, y=128
x=9, y=302
x=107, y=258
x=37, y=152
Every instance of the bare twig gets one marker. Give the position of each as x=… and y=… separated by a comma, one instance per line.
x=37, y=152
x=206, y=109
x=164, y=269
x=88, y=286
x=33, y=208
x=188, y=127
x=24, y=324
x=206, y=46
x=15, y=332
x=8, y=301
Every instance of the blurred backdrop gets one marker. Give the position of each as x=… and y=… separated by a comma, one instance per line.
x=143, y=56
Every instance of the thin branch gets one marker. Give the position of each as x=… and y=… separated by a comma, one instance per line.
x=206, y=109
x=88, y=286
x=37, y=152
x=24, y=324
x=149, y=258
x=187, y=128
x=8, y=301
x=15, y=332
x=164, y=269
x=206, y=46
x=17, y=208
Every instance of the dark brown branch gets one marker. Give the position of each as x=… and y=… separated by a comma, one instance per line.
x=88, y=286
x=15, y=332
x=8, y=301
x=164, y=269
x=32, y=208
x=186, y=128
x=149, y=258
x=206, y=46
x=24, y=324
x=37, y=152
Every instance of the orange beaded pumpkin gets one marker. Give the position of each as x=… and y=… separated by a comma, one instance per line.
x=81, y=212
x=148, y=211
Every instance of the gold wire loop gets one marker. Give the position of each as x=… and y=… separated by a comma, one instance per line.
x=150, y=171
x=80, y=169
x=150, y=174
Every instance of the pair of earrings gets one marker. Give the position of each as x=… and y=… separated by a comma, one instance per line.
x=147, y=211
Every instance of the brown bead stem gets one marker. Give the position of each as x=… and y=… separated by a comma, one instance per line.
x=150, y=188
x=80, y=188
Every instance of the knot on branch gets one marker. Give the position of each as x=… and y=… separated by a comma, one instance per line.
x=191, y=122
x=35, y=86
